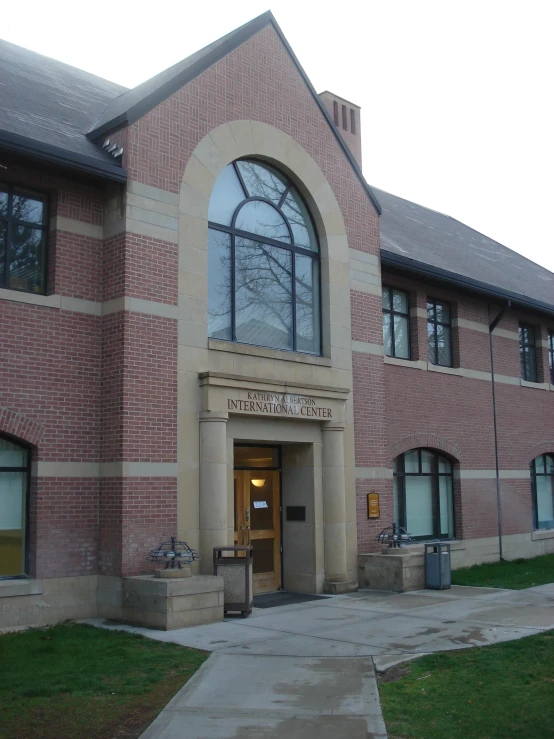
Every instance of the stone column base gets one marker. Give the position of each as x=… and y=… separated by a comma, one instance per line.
x=338, y=587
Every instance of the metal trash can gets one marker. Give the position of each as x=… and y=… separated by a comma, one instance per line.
x=437, y=566
x=234, y=564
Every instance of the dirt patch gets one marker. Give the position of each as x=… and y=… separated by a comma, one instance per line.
x=394, y=673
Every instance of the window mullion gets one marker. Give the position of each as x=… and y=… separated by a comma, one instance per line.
x=293, y=298
x=233, y=302
x=392, y=339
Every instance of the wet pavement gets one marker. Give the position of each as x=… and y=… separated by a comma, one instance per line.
x=308, y=670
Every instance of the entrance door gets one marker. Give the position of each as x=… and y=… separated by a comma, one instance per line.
x=258, y=522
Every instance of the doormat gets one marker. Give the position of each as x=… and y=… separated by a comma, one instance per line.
x=282, y=598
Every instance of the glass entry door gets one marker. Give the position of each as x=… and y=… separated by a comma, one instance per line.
x=258, y=522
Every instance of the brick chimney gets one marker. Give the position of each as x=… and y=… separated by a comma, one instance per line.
x=346, y=117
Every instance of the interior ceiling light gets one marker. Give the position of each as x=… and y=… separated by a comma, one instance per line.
x=258, y=483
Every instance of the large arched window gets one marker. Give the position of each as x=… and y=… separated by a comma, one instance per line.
x=542, y=476
x=263, y=261
x=14, y=477
x=423, y=494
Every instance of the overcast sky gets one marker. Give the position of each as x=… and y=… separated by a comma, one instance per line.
x=456, y=97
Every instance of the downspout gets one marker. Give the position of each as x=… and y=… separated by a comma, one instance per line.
x=492, y=326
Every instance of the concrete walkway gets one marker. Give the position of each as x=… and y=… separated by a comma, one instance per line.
x=307, y=670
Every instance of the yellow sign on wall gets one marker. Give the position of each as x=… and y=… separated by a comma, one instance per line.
x=373, y=505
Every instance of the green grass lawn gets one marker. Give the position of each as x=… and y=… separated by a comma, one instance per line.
x=516, y=575
x=74, y=681
x=505, y=691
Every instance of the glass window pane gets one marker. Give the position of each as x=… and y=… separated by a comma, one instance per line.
x=443, y=313
x=401, y=337
x=261, y=218
x=545, y=502
x=443, y=346
x=426, y=461
x=12, y=523
x=26, y=259
x=549, y=464
x=300, y=222
x=399, y=301
x=3, y=235
x=432, y=343
x=12, y=455
x=261, y=181
x=419, y=506
x=28, y=209
x=219, y=285
x=411, y=461
x=446, y=507
x=396, y=490
x=226, y=196
x=3, y=204
x=263, y=554
x=539, y=464
x=530, y=364
x=430, y=311
x=263, y=290
x=444, y=466
x=387, y=336
x=307, y=304
x=386, y=298
x=256, y=456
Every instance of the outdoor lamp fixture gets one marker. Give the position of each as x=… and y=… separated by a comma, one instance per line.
x=258, y=483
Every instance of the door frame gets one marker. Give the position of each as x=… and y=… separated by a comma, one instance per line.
x=278, y=470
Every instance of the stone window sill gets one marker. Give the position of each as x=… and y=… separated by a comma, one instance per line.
x=542, y=534
x=259, y=351
x=10, y=588
x=535, y=385
x=413, y=363
x=445, y=370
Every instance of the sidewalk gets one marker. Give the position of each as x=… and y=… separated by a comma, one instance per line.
x=307, y=670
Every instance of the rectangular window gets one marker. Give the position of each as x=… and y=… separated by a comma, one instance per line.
x=396, y=323
x=353, y=121
x=439, y=333
x=528, y=353
x=336, y=113
x=344, y=118
x=23, y=230
x=551, y=355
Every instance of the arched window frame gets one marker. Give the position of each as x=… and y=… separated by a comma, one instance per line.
x=313, y=254
x=400, y=475
x=26, y=469
x=541, y=463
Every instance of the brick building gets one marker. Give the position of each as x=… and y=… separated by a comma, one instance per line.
x=213, y=327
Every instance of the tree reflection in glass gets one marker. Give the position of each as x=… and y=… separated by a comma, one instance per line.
x=262, y=289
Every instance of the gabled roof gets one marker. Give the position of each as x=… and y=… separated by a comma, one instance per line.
x=133, y=104
x=420, y=239
x=46, y=107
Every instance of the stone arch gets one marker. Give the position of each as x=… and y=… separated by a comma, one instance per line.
x=236, y=139
x=425, y=441
x=20, y=427
x=543, y=447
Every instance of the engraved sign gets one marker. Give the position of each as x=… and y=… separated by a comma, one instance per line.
x=278, y=404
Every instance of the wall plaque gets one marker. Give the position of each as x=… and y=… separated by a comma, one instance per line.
x=373, y=505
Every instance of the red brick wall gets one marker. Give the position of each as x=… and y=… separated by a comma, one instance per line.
x=454, y=414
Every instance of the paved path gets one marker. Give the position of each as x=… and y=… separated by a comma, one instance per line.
x=307, y=671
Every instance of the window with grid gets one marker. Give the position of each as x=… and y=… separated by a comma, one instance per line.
x=439, y=332
x=23, y=232
x=528, y=353
x=423, y=494
x=263, y=261
x=542, y=479
x=551, y=355
x=396, y=323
